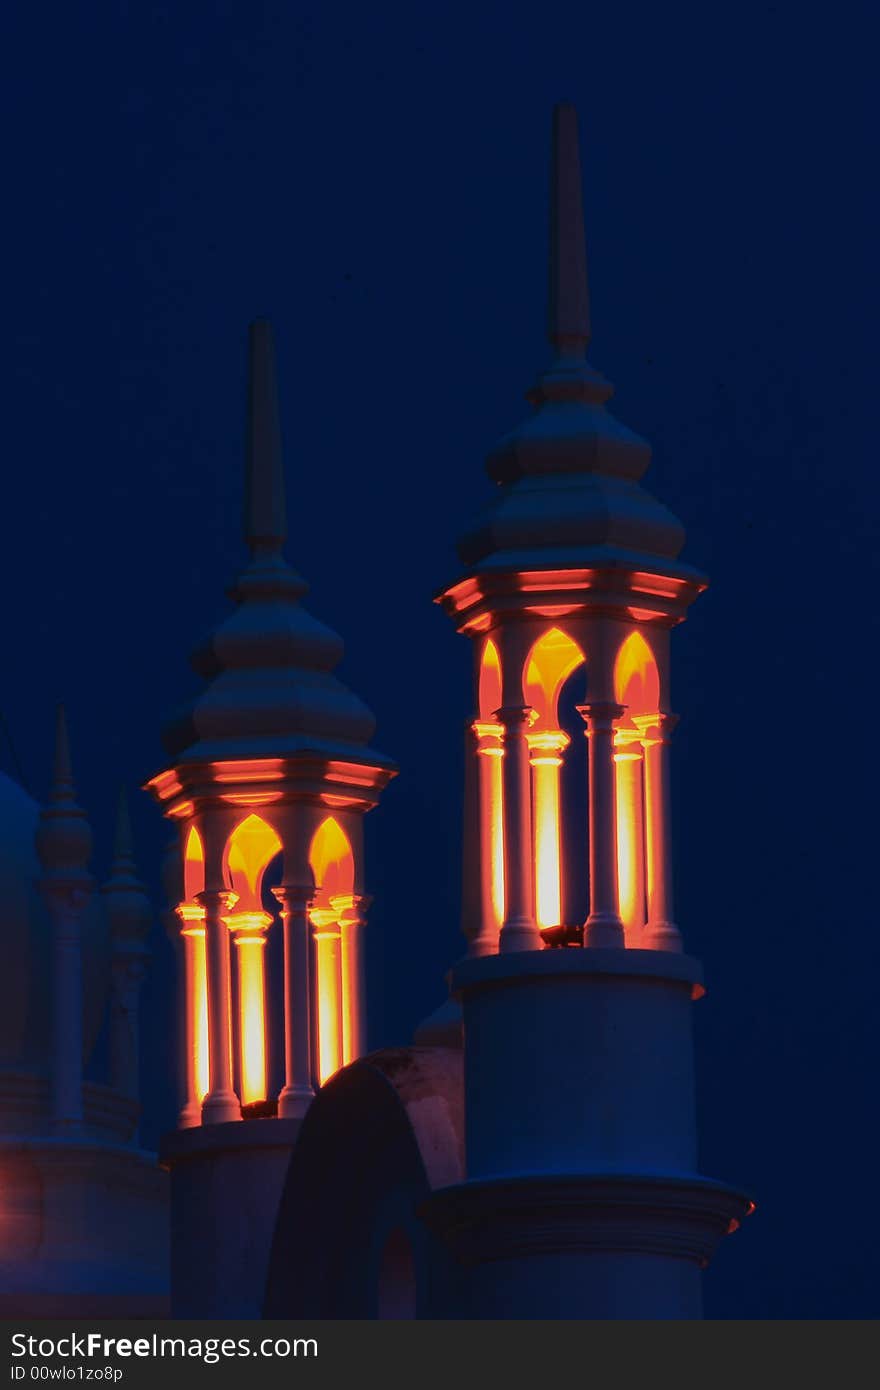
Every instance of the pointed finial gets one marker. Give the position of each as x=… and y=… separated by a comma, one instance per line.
x=568, y=306
x=128, y=906
x=64, y=839
x=62, y=778
x=265, y=519
x=122, y=846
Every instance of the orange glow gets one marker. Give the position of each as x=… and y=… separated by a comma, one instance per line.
x=630, y=833
x=332, y=864
x=252, y=1012
x=636, y=680
x=193, y=865
x=251, y=846
x=637, y=688
x=250, y=770
x=546, y=759
x=196, y=984
x=490, y=750
x=345, y=905
x=489, y=698
x=551, y=661
x=548, y=666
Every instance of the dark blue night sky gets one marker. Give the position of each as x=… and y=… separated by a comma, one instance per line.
x=373, y=179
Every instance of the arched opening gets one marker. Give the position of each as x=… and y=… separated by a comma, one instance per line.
x=396, y=1288
x=249, y=850
x=195, y=975
x=552, y=660
x=332, y=864
x=637, y=688
x=490, y=751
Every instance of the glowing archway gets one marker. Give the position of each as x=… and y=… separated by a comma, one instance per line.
x=548, y=666
x=636, y=678
x=490, y=751
x=249, y=850
x=195, y=974
x=637, y=688
x=332, y=864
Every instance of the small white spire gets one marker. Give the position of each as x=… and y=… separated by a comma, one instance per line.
x=265, y=514
x=568, y=300
x=64, y=838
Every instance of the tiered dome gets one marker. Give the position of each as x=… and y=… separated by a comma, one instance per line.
x=569, y=476
x=271, y=691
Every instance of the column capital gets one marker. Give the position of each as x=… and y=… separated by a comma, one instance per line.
x=600, y=714
x=547, y=746
x=294, y=895
x=515, y=716
x=655, y=728
x=213, y=897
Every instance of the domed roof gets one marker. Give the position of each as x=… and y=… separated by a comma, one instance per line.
x=25, y=942
x=270, y=664
x=569, y=476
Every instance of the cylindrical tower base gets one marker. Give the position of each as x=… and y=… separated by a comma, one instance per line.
x=582, y=1198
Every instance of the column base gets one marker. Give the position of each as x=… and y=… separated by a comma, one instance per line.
x=603, y=930
x=294, y=1101
x=661, y=936
x=520, y=934
x=220, y=1107
x=603, y=1245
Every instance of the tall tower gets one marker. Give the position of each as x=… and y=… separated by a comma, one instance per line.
x=582, y=1197
x=270, y=760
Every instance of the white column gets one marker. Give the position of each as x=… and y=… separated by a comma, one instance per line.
x=630, y=833
x=66, y=900
x=489, y=754
x=221, y=1103
x=193, y=1012
x=520, y=930
x=352, y=910
x=298, y=1089
x=603, y=927
x=661, y=933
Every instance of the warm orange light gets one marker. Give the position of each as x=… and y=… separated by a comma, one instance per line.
x=251, y=846
x=332, y=864
x=550, y=662
x=630, y=834
x=489, y=697
x=637, y=688
x=193, y=865
x=196, y=1003
x=546, y=750
x=636, y=680
x=252, y=1015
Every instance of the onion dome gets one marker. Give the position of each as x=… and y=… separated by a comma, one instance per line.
x=128, y=907
x=269, y=666
x=569, y=476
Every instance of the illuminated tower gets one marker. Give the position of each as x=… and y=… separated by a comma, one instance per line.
x=270, y=760
x=582, y=1197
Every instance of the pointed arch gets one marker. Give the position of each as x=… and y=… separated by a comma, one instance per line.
x=250, y=849
x=332, y=863
x=489, y=696
x=331, y=859
x=193, y=865
x=552, y=659
x=636, y=678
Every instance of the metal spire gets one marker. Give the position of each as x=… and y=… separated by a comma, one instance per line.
x=568, y=303
x=265, y=519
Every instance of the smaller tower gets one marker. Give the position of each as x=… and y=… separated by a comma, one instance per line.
x=129, y=915
x=64, y=847
x=270, y=765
